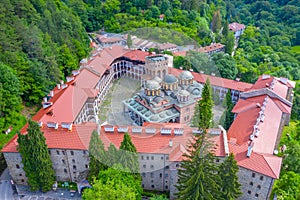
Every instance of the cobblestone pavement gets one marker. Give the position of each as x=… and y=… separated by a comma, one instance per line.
x=123, y=89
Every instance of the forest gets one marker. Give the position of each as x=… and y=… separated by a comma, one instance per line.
x=41, y=42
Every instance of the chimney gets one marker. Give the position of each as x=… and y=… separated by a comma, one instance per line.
x=45, y=99
x=61, y=82
x=170, y=143
x=40, y=124
x=180, y=67
x=250, y=148
x=237, y=79
x=58, y=86
x=213, y=74
x=51, y=93
x=191, y=70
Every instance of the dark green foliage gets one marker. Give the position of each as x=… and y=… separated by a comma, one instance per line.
x=226, y=65
x=230, y=186
x=128, y=155
x=36, y=158
x=9, y=97
x=216, y=22
x=203, y=111
x=198, y=177
x=129, y=41
x=97, y=156
x=229, y=43
x=229, y=116
x=288, y=186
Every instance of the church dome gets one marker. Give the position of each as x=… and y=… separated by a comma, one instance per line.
x=157, y=79
x=170, y=78
x=152, y=85
x=186, y=75
x=183, y=93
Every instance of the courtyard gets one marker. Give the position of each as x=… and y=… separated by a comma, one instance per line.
x=111, y=109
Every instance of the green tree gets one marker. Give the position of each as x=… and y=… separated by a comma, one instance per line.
x=216, y=21
x=97, y=156
x=226, y=65
x=203, y=111
x=292, y=157
x=129, y=41
x=288, y=186
x=225, y=30
x=128, y=155
x=112, y=155
x=10, y=101
x=114, y=183
x=229, y=116
x=35, y=158
x=198, y=177
x=230, y=186
x=229, y=44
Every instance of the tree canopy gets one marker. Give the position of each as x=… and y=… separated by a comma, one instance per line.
x=35, y=158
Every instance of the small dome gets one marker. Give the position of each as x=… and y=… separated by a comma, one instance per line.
x=158, y=99
x=196, y=92
x=183, y=93
x=170, y=78
x=169, y=113
x=157, y=79
x=186, y=75
x=154, y=118
x=152, y=85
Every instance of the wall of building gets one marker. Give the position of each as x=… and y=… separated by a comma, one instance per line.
x=15, y=166
x=254, y=185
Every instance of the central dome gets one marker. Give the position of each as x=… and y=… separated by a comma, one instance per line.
x=170, y=78
x=186, y=75
x=152, y=85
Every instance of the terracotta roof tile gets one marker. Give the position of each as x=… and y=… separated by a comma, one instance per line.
x=137, y=55
x=236, y=26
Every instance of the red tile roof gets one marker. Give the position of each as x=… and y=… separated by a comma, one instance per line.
x=77, y=139
x=236, y=26
x=157, y=143
x=215, y=81
x=137, y=55
x=179, y=53
x=211, y=47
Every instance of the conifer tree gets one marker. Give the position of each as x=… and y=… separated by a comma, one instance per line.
x=35, y=158
x=198, y=177
x=225, y=30
x=230, y=185
x=129, y=41
x=216, y=21
x=112, y=155
x=128, y=155
x=229, y=116
x=97, y=156
x=203, y=110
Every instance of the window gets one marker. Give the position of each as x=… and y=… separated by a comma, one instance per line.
x=152, y=166
x=144, y=174
x=63, y=161
x=20, y=175
x=17, y=166
x=256, y=195
x=73, y=161
x=251, y=183
x=253, y=175
x=152, y=157
x=22, y=180
x=249, y=192
x=160, y=175
x=167, y=167
x=65, y=170
x=86, y=166
x=217, y=160
x=167, y=158
x=49, y=152
x=142, y=157
x=167, y=187
x=166, y=175
x=72, y=153
x=177, y=165
x=144, y=166
x=63, y=152
x=152, y=175
x=162, y=158
x=84, y=152
x=57, y=152
x=152, y=186
x=259, y=187
x=143, y=185
x=74, y=167
x=152, y=181
x=147, y=157
x=261, y=178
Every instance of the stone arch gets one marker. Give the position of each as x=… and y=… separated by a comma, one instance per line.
x=159, y=74
x=164, y=73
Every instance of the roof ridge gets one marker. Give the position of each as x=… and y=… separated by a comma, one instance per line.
x=263, y=155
